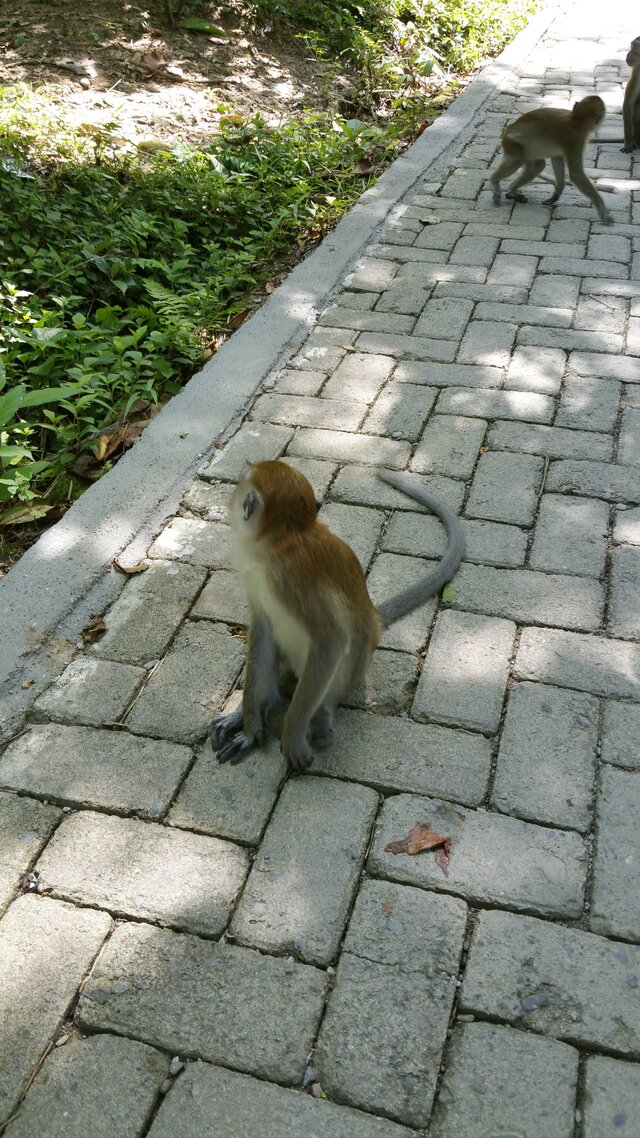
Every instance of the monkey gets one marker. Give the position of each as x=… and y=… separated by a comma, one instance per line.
x=631, y=104
x=556, y=134
x=310, y=605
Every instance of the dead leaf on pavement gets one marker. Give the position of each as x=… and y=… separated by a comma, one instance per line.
x=96, y=628
x=443, y=856
x=420, y=837
x=139, y=567
x=27, y=683
x=388, y=908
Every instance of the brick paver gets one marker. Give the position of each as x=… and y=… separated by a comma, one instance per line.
x=227, y=950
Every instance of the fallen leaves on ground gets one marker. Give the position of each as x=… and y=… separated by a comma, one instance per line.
x=96, y=628
x=139, y=567
x=422, y=837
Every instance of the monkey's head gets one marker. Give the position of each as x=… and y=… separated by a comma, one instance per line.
x=589, y=112
x=272, y=498
x=633, y=55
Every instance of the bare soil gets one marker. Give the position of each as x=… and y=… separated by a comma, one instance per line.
x=108, y=61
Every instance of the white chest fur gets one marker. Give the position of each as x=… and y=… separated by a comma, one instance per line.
x=288, y=633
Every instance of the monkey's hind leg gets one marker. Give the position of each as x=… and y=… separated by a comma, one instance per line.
x=558, y=173
x=321, y=729
x=507, y=167
x=531, y=171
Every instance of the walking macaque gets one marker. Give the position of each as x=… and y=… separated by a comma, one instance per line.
x=631, y=104
x=309, y=605
x=556, y=134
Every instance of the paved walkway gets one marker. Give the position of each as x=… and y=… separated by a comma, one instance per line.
x=201, y=943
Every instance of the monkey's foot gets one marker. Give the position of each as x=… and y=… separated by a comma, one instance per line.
x=516, y=196
x=321, y=732
x=235, y=749
x=299, y=755
x=223, y=727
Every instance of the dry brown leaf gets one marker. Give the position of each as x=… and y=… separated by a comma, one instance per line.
x=388, y=908
x=420, y=837
x=96, y=628
x=28, y=683
x=346, y=347
x=484, y=450
x=443, y=856
x=138, y=568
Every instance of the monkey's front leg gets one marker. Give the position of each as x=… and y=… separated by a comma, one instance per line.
x=234, y=735
x=309, y=696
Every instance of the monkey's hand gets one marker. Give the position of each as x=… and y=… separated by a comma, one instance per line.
x=296, y=751
x=628, y=148
x=230, y=741
x=516, y=196
x=606, y=218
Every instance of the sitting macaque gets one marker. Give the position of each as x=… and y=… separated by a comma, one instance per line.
x=556, y=134
x=309, y=607
x=631, y=104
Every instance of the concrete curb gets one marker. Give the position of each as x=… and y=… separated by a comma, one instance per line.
x=70, y=565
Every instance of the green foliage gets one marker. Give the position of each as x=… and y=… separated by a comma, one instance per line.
x=116, y=271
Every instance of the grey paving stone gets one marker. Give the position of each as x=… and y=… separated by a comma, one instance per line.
x=181, y=698
x=578, y=267
x=442, y=236
x=629, y=445
x=623, y=368
x=444, y=317
x=219, y=1103
x=554, y=442
x=389, y=685
x=615, y=906
x=291, y=381
x=359, y=527
x=486, y=542
x=501, y=1081
x=624, y=598
x=390, y=574
x=196, y=997
x=568, y=230
x=359, y=377
x=341, y=446
x=46, y=947
x=465, y=671
x=611, y=286
x=83, y=766
x=609, y=247
x=611, y=1097
x=545, y=248
x=527, y=405
x=494, y=859
x=302, y=411
x=90, y=691
x=359, y=485
x=223, y=598
x=371, y=274
x=401, y=410
x=571, y=340
x=546, y=761
x=192, y=539
x=524, y=595
x=608, y=316
x=398, y=754
x=557, y=291
x=230, y=800
x=633, y=337
x=570, y=535
x=474, y=250
x=595, y=480
x=320, y=474
x=449, y=445
x=512, y=269
x=148, y=611
x=587, y=663
x=300, y=889
x=338, y=317
x=487, y=342
x=621, y=734
x=447, y=375
x=142, y=869
x=554, y=980
x=489, y=293
x=382, y=1037
x=525, y=314
x=505, y=487
x=465, y=187
x=253, y=443
x=403, y=297
x=25, y=826
x=72, y=1096
x=208, y=500
x=589, y=403
x=626, y=527
x=536, y=369
x=406, y=347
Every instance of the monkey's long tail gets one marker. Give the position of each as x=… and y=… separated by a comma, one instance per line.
x=411, y=598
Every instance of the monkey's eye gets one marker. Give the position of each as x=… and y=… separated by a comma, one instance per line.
x=248, y=506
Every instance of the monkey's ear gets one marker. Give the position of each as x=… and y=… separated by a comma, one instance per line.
x=251, y=500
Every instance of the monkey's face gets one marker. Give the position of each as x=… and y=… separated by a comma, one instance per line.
x=246, y=508
x=633, y=55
